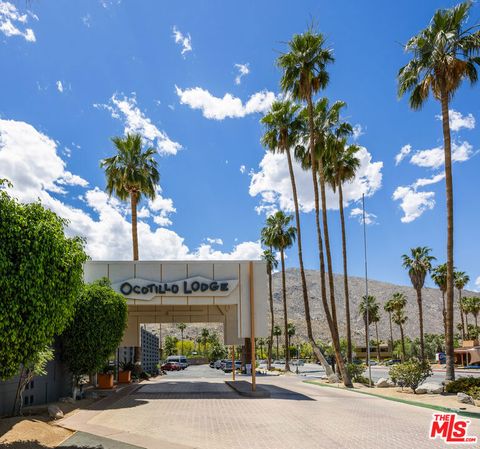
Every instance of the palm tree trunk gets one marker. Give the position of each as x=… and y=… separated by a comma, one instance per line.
x=461, y=313
x=331, y=287
x=467, y=332
x=450, y=368
x=272, y=320
x=391, y=331
x=420, y=319
x=444, y=313
x=404, y=355
x=345, y=274
x=378, y=342
x=366, y=342
x=308, y=318
x=285, y=316
x=277, y=346
x=317, y=219
x=133, y=202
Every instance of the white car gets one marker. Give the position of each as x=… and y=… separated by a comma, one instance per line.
x=180, y=359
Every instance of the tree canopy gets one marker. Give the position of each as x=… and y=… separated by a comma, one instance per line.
x=40, y=278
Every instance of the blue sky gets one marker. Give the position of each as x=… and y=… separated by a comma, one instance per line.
x=78, y=74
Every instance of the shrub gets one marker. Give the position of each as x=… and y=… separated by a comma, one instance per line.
x=356, y=371
x=463, y=384
x=474, y=392
x=411, y=373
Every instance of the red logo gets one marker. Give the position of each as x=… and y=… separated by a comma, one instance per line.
x=450, y=428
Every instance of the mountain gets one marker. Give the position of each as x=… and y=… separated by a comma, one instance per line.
x=432, y=306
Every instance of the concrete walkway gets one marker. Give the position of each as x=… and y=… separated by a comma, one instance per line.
x=176, y=413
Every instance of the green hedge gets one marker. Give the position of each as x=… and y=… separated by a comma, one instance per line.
x=463, y=384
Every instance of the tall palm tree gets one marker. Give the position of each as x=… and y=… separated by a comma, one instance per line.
x=205, y=333
x=277, y=331
x=272, y=264
x=181, y=327
x=279, y=234
x=444, y=54
x=304, y=74
x=131, y=174
x=375, y=320
x=389, y=307
x=340, y=167
x=461, y=279
x=475, y=310
x=399, y=301
x=439, y=277
x=465, y=304
x=282, y=127
x=419, y=264
x=368, y=306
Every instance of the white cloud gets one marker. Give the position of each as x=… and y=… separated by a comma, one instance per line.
x=477, y=283
x=126, y=108
x=422, y=182
x=243, y=70
x=107, y=3
x=13, y=23
x=87, y=20
x=185, y=41
x=357, y=131
x=30, y=160
x=435, y=158
x=413, y=203
x=227, y=107
x=370, y=218
x=404, y=151
x=213, y=241
x=242, y=168
x=272, y=183
x=60, y=86
x=459, y=121
x=163, y=207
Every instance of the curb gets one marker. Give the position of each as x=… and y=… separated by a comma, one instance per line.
x=403, y=401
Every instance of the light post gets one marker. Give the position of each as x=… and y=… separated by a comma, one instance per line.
x=298, y=346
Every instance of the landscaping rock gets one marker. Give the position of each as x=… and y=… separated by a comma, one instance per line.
x=333, y=379
x=382, y=383
x=430, y=388
x=465, y=399
x=54, y=412
x=391, y=383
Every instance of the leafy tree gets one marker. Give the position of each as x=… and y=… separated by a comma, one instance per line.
x=181, y=327
x=97, y=329
x=40, y=278
x=304, y=74
x=340, y=166
x=282, y=132
x=217, y=352
x=410, y=373
x=443, y=55
x=277, y=332
x=279, y=234
x=419, y=264
x=131, y=174
x=185, y=347
x=205, y=333
x=272, y=263
x=170, y=345
x=461, y=279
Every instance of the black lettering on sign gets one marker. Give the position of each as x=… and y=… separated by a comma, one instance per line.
x=214, y=286
x=136, y=289
x=167, y=288
x=185, y=288
x=203, y=287
x=224, y=286
x=175, y=288
x=126, y=288
x=144, y=290
x=195, y=286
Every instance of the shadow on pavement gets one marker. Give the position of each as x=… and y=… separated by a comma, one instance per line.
x=37, y=445
x=283, y=393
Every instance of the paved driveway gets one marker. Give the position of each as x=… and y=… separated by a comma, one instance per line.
x=180, y=412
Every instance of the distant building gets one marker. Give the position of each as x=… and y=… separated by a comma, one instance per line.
x=385, y=353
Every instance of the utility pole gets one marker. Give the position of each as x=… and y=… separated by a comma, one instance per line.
x=366, y=291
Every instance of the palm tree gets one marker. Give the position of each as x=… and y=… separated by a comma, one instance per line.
x=272, y=264
x=465, y=304
x=419, y=264
x=181, y=327
x=461, y=279
x=304, y=74
x=261, y=344
x=282, y=127
x=439, y=277
x=279, y=234
x=277, y=331
x=369, y=304
x=340, y=167
x=205, y=333
x=131, y=173
x=389, y=307
x=444, y=54
x=399, y=301
x=475, y=310
x=375, y=319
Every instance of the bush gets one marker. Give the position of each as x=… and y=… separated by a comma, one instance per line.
x=356, y=371
x=474, y=392
x=462, y=385
x=411, y=373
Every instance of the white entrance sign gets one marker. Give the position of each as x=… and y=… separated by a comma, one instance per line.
x=144, y=289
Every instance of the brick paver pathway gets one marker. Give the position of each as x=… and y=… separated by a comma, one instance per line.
x=164, y=414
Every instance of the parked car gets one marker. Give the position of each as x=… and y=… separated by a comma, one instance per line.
x=180, y=359
x=228, y=366
x=171, y=366
x=299, y=362
x=393, y=361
